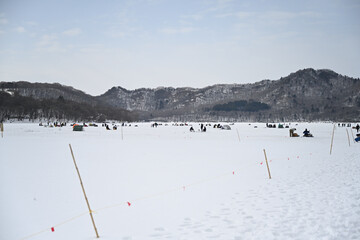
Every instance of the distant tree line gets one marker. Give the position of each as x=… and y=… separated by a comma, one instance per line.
x=241, y=105
x=21, y=107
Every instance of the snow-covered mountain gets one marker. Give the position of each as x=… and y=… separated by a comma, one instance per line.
x=304, y=95
x=307, y=94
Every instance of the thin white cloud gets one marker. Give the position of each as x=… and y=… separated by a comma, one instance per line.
x=31, y=23
x=92, y=48
x=244, y=14
x=72, y=32
x=224, y=15
x=3, y=21
x=47, y=39
x=20, y=29
x=181, y=30
x=222, y=2
x=271, y=15
x=153, y=2
x=117, y=34
x=195, y=17
x=185, y=22
x=121, y=30
x=284, y=15
x=49, y=43
x=219, y=6
x=241, y=15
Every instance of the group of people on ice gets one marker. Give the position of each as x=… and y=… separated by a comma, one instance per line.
x=216, y=125
x=202, y=128
x=357, y=127
x=357, y=139
x=294, y=134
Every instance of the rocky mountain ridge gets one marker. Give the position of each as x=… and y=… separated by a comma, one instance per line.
x=47, y=91
x=306, y=95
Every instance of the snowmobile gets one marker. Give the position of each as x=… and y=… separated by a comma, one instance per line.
x=307, y=133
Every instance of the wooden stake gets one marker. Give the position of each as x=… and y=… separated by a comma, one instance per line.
x=332, y=139
x=238, y=134
x=352, y=135
x=122, y=134
x=267, y=164
x=347, y=132
x=82, y=186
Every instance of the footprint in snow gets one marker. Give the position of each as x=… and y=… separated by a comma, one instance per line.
x=159, y=229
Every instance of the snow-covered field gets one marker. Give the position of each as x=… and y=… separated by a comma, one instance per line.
x=169, y=183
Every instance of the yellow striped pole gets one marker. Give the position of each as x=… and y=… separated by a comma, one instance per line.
x=267, y=164
x=83, y=189
x=332, y=139
x=347, y=132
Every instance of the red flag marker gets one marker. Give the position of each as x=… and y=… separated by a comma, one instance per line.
x=129, y=204
x=53, y=229
x=233, y=173
x=261, y=163
x=288, y=158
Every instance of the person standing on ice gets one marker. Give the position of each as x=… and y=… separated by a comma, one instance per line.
x=357, y=128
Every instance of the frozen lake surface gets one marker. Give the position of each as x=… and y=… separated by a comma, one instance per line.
x=170, y=183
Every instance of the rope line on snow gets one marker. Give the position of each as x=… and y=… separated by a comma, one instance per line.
x=182, y=188
x=56, y=225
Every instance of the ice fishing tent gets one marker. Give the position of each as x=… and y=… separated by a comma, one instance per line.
x=77, y=127
x=357, y=139
x=226, y=127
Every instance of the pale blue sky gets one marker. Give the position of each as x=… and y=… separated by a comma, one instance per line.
x=94, y=45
